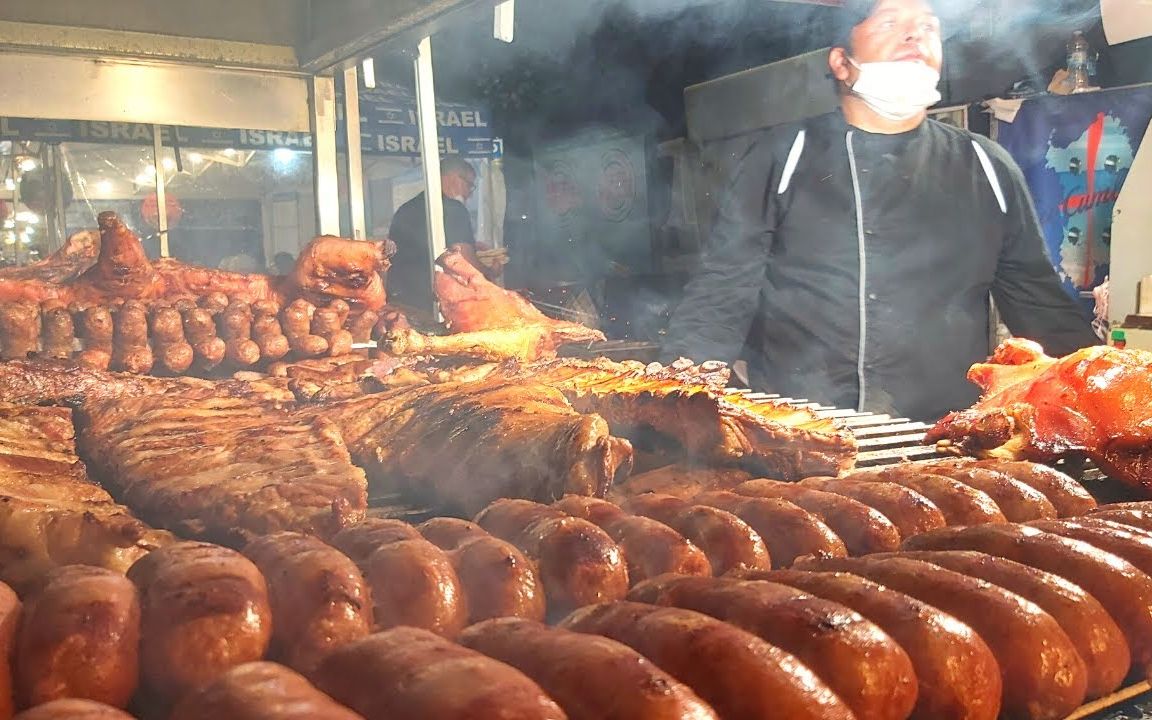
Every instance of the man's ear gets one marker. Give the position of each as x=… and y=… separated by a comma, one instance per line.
x=839, y=65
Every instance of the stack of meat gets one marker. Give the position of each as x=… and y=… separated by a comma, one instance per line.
x=126, y=312
x=1093, y=403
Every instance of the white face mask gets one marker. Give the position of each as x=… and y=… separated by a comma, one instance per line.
x=897, y=90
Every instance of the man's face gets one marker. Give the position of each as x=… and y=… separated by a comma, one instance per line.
x=459, y=185
x=897, y=30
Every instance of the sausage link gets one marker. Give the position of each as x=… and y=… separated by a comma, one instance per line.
x=1131, y=544
x=1018, y=502
x=57, y=332
x=234, y=326
x=412, y=674
x=1091, y=629
x=260, y=691
x=318, y=597
x=200, y=330
x=96, y=332
x=727, y=541
x=359, y=540
x=498, y=580
x=131, y=351
x=172, y=349
x=450, y=533
x=204, y=610
x=19, y=330
x=960, y=504
x=269, y=336
x=79, y=638
x=1069, y=497
x=651, y=548
x=591, y=677
x=958, y=676
x=213, y=302
x=1123, y=590
x=756, y=680
x=73, y=709
x=413, y=583
x=296, y=320
x=362, y=325
x=863, y=529
x=579, y=564
x=908, y=510
x=789, y=531
x=858, y=660
x=1139, y=518
x=1043, y=675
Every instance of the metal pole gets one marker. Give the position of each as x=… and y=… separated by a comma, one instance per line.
x=430, y=151
x=60, y=224
x=322, y=107
x=161, y=197
x=355, y=161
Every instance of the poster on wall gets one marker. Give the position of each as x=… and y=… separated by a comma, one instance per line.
x=1075, y=152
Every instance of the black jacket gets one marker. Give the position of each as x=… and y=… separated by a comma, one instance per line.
x=410, y=277
x=855, y=269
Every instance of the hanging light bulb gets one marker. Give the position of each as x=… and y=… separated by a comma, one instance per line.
x=27, y=164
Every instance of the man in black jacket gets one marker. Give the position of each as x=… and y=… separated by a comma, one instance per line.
x=853, y=257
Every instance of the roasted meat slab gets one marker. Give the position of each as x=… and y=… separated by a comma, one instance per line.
x=223, y=469
x=461, y=445
x=1096, y=402
x=691, y=405
x=50, y=514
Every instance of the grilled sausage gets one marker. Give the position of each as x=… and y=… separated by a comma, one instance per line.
x=57, y=331
x=204, y=609
x=328, y=324
x=858, y=660
x=360, y=540
x=498, y=580
x=214, y=302
x=296, y=320
x=1131, y=544
x=788, y=531
x=260, y=691
x=1091, y=629
x=1069, y=497
x=130, y=349
x=651, y=548
x=908, y=510
x=79, y=638
x=755, y=679
x=268, y=335
x=10, y=611
x=96, y=332
x=863, y=529
x=73, y=709
x=413, y=583
x=591, y=677
x=1043, y=676
x=411, y=674
x=579, y=564
x=727, y=541
x=450, y=533
x=235, y=329
x=172, y=349
x=960, y=504
x=958, y=676
x=19, y=330
x=318, y=597
x=200, y=330
x=1129, y=516
x=1018, y=502
x=362, y=326
x=1123, y=590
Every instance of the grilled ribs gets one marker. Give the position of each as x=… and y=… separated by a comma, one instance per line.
x=690, y=405
x=1094, y=403
x=223, y=469
x=50, y=514
x=461, y=445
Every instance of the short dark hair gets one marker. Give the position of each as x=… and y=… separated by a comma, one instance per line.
x=847, y=17
x=456, y=164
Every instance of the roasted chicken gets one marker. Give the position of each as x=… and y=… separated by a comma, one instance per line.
x=1094, y=403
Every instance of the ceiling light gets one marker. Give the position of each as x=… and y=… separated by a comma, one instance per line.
x=27, y=164
x=369, y=69
x=104, y=186
x=283, y=157
x=195, y=157
x=168, y=163
x=144, y=179
x=150, y=170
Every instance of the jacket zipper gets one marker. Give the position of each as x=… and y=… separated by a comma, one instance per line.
x=862, y=252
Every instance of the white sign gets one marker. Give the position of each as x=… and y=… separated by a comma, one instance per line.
x=1126, y=20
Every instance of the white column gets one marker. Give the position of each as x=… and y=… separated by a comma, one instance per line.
x=322, y=108
x=355, y=161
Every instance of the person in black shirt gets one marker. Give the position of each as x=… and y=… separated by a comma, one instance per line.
x=409, y=278
x=854, y=255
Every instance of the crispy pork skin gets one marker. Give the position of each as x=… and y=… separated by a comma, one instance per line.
x=260, y=691
x=591, y=677
x=204, y=610
x=80, y=638
x=758, y=680
x=1043, y=675
x=957, y=672
x=318, y=597
x=858, y=660
x=411, y=674
x=1092, y=630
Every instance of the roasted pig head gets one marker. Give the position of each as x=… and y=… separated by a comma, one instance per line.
x=332, y=267
x=122, y=268
x=1096, y=402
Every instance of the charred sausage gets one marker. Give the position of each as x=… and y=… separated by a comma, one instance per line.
x=19, y=330
x=260, y=691
x=57, y=331
x=960, y=503
x=172, y=349
x=96, y=332
x=73, y=709
x=360, y=540
x=789, y=531
x=413, y=583
x=1018, y=502
x=908, y=510
x=591, y=677
x=131, y=351
x=727, y=541
x=1069, y=497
